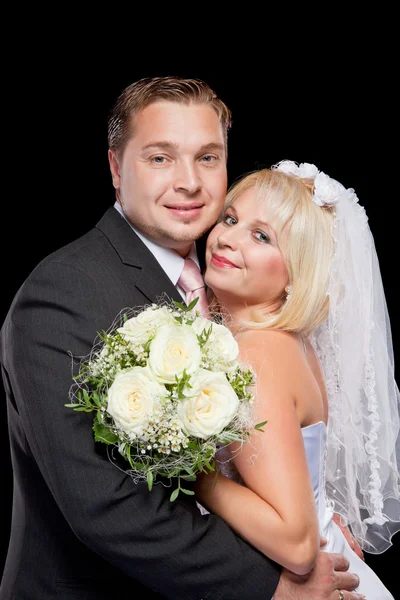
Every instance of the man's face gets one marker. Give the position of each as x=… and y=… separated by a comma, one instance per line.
x=172, y=178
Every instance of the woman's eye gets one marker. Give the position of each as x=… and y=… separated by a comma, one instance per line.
x=262, y=237
x=229, y=220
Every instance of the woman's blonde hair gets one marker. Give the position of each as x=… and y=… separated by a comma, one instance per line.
x=304, y=236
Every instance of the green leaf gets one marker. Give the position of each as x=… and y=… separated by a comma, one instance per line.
x=215, y=479
x=174, y=495
x=185, y=308
x=192, y=304
x=187, y=492
x=96, y=399
x=102, y=433
x=83, y=409
x=208, y=465
x=179, y=305
x=150, y=480
x=260, y=425
x=188, y=469
x=189, y=477
x=74, y=405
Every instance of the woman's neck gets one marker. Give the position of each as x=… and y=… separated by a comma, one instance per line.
x=237, y=313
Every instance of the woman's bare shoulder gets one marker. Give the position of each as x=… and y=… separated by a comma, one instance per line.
x=268, y=343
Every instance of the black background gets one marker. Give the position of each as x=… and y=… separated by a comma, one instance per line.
x=338, y=113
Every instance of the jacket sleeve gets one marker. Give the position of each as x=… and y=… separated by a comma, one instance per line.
x=169, y=547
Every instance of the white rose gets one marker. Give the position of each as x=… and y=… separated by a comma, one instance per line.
x=211, y=405
x=140, y=328
x=200, y=323
x=173, y=349
x=132, y=398
x=222, y=349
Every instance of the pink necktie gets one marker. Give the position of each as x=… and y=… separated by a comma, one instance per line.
x=192, y=283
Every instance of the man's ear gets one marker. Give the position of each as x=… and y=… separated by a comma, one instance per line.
x=114, y=168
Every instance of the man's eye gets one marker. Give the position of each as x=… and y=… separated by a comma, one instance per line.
x=208, y=158
x=159, y=160
x=229, y=220
x=261, y=236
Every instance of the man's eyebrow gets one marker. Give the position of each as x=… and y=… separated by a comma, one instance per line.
x=164, y=144
x=160, y=144
x=212, y=146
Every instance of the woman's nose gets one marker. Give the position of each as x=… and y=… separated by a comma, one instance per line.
x=229, y=238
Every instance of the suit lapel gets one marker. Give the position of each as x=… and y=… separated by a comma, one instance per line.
x=151, y=279
x=156, y=286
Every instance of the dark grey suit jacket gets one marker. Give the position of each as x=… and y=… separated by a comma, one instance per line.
x=81, y=528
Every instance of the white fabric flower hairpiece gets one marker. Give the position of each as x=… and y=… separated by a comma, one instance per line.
x=327, y=191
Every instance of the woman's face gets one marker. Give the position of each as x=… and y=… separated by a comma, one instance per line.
x=244, y=263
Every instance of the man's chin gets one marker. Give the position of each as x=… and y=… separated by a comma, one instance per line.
x=174, y=239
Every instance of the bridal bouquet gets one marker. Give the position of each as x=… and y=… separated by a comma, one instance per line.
x=167, y=389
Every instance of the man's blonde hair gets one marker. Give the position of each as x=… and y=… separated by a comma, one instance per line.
x=148, y=90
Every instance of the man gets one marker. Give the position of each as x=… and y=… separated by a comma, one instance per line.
x=81, y=528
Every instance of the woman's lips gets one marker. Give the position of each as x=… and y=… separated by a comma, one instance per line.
x=224, y=263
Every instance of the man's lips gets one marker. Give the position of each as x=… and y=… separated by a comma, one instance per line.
x=221, y=261
x=184, y=205
x=185, y=210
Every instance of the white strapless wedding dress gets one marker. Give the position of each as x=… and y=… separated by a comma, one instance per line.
x=371, y=586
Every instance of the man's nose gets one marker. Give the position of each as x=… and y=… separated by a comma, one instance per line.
x=187, y=178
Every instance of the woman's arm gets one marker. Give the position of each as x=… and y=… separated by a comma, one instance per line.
x=276, y=510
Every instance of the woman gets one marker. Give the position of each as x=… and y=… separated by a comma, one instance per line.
x=293, y=269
